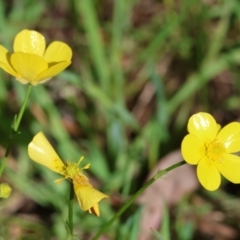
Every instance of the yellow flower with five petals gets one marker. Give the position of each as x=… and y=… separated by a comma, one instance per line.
x=211, y=149
x=41, y=151
x=31, y=62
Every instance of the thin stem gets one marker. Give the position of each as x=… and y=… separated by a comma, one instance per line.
x=159, y=174
x=70, y=212
x=15, y=125
x=19, y=117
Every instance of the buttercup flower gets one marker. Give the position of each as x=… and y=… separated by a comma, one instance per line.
x=211, y=149
x=5, y=190
x=31, y=62
x=41, y=151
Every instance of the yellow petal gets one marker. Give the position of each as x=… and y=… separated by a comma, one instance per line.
x=28, y=66
x=193, y=149
x=29, y=41
x=52, y=71
x=23, y=81
x=94, y=210
x=229, y=167
x=87, y=196
x=204, y=126
x=58, y=52
x=42, y=152
x=4, y=61
x=208, y=174
x=230, y=137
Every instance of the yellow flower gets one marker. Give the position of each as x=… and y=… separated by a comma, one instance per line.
x=41, y=151
x=31, y=62
x=211, y=148
x=5, y=190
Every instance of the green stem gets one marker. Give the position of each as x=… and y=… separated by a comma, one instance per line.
x=70, y=213
x=15, y=125
x=159, y=174
x=19, y=117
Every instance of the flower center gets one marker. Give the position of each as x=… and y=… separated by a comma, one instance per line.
x=71, y=170
x=215, y=151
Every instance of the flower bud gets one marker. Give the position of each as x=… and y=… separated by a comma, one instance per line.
x=5, y=190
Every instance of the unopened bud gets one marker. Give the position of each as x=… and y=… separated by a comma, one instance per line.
x=5, y=190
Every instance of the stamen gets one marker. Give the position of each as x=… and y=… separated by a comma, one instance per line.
x=71, y=169
x=215, y=151
x=80, y=160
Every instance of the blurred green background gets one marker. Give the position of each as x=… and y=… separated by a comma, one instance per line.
x=140, y=69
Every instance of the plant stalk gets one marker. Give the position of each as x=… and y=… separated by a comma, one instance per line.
x=159, y=174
